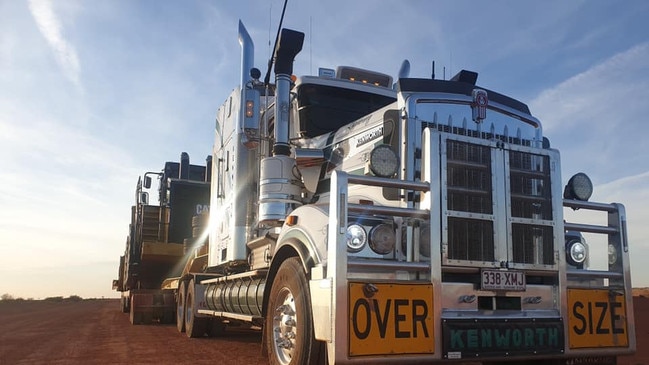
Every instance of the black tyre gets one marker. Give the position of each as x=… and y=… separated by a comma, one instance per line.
x=135, y=313
x=289, y=324
x=194, y=326
x=125, y=304
x=180, y=307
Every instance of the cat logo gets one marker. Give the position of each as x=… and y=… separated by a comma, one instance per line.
x=200, y=208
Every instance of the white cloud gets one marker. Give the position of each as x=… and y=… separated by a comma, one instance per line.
x=608, y=91
x=50, y=27
x=594, y=117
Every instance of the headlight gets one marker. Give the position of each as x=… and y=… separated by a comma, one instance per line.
x=612, y=255
x=424, y=241
x=383, y=161
x=576, y=252
x=356, y=237
x=579, y=187
x=382, y=239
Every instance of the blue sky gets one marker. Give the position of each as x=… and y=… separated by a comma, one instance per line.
x=92, y=94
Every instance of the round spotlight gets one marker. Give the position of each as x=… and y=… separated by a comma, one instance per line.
x=382, y=239
x=579, y=187
x=576, y=251
x=383, y=161
x=356, y=237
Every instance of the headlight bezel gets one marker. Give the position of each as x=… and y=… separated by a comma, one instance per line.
x=355, y=230
x=574, y=246
x=375, y=242
x=424, y=241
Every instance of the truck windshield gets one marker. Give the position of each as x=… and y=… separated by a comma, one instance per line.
x=324, y=108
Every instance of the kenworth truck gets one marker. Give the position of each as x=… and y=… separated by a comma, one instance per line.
x=354, y=219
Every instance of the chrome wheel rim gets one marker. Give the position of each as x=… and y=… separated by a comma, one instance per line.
x=285, y=327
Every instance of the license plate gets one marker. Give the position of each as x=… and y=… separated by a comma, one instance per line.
x=390, y=319
x=596, y=318
x=502, y=280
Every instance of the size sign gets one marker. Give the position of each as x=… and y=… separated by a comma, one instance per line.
x=596, y=318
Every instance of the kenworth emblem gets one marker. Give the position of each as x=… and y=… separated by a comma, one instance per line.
x=479, y=105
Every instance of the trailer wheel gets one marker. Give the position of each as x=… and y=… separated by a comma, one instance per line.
x=135, y=315
x=180, y=307
x=289, y=324
x=194, y=326
x=125, y=304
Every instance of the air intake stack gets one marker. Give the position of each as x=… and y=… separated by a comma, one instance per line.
x=280, y=182
x=288, y=46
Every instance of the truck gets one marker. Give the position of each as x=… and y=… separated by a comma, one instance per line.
x=159, y=238
x=358, y=219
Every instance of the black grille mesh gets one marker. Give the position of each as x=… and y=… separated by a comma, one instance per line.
x=532, y=244
x=469, y=190
x=530, y=186
x=469, y=178
x=470, y=239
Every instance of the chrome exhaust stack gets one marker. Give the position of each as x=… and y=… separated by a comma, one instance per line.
x=247, y=54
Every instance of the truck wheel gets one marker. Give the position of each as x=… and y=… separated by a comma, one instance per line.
x=180, y=307
x=289, y=325
x=194, y=326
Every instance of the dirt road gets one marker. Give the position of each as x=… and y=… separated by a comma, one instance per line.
x=96, y=332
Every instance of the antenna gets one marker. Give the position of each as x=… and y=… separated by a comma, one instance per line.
x=270, y=60
x=311, y=45
x=450, y=67
x=433, y=74
x=270, y=22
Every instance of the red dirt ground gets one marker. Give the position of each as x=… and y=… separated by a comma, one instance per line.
x=96, y=332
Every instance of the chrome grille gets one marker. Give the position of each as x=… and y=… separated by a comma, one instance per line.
x=469, y=190
x=473, y=214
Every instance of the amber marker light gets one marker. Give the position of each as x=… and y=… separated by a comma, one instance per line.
x=291, y=220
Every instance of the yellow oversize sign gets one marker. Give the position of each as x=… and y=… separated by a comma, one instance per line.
x=597, y=318
x=390, y=319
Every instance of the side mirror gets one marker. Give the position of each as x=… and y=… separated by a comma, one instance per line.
x=144, y=198
x=147, y=182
